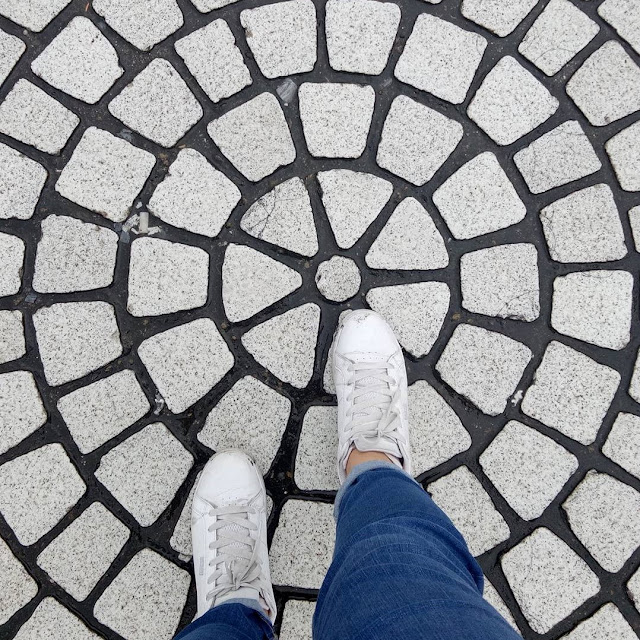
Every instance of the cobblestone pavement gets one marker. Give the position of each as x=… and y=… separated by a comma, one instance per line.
x=193, y=191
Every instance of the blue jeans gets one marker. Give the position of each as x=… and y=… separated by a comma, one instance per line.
x=400, y=570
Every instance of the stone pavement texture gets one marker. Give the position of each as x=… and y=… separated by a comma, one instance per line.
x=191, y=194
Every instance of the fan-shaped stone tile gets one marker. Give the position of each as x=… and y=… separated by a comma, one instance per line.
x=624, y=151
x=338, y=279
x=479, y=198
x=185, y=362
x=498, y=16
x=409, y=240
x=352, y=201
x=416, y=140
x=79, y=61
x=624, y=17
x=360, y=34
x=607, y=622
x=11, y=50
x=284, y=217
x=282, y=37
x=548, y=579
x=51, y=620
x=12, y=344
x=18, y=587
x=415, y=312
x=252, y=281
x=11, y=260
x=623, y=444
x=297, y=620
x=441, y=58
x=494, y=599
x=286, y=344
x=571, y=392
x=511, y=102
x=34, y=15
x=483, y=366
x=317, y=446
x=22, y=180
x=528, y=468
x=594, y=306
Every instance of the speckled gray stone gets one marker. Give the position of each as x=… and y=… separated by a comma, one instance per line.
x=414, y=311
x=607, y=86
x=493, y=598
x=360, y=34
x=623, y=443
x=35, y=15
x=338, y=279
x=634, y=386
x=30, y=115
x=634, y=588
x=527, y=468
x=624, y=17
x=255, y=137
x=571, y=392
x=634, y=221
x=105, y=174
x=205, y=6
x=479, y=198
x=483, y=366
x=511, y=102
x=315, y=466
x=498, y=16
x=327, y=377
x=12, y=345
x=594, y=306
x=74, y=256
x=584, y=227
x=79, y=61
x=302, y=545
x=336, y=118
x=100, y=411
x=605, y=624
x=282, y=37
x=51, y=621
x=252, y=281
x=548, y=579
x=22, y=180
x=147, y=585
x=297, y=620
x=441, y=58
x=11, y=50
x=409, y=240
x=559, y=33
x=11, y=260
x=556, y=158
x=416, y=140
x=36, y=490
x=185, y=362
x=461, y=496
x=18, y=587
x=624, y=151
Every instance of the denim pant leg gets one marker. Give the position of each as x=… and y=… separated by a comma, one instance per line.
x=400, y=569
x=229, y=621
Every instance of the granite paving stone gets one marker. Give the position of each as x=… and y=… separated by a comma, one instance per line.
x=623, y=443
x=494, y=599
x=11, y=50
x=315, y=459
x=18, y=586
x=297, y=620
x=624, y=17
x=338, y=279
x=634, y=386
x=12, y=342
x=22, y=181
x=605, y=623
x=634, y=221
x=52, y=620
x=498, y=16
x=34, y=15
x=11, y=262
x=634, y=588
x=624, y=151
x=205, y=6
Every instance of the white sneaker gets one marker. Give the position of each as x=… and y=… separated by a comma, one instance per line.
x=371, y=385
x=229, y=533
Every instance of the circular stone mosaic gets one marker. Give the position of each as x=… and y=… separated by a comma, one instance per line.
x=192, y=192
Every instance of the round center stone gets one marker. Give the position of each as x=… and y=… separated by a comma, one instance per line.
x=338, y=279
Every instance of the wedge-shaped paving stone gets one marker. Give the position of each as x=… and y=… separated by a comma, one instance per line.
x=594, y=306
x=409, y=240
x=11, y=261
x=634, y=386
x=559, y=33
x=441, y=58
x=131, y=471
x=414, y=311
x=315, y=459
x=214, y=60
x=252, y=281
x=528, y=468
x=607, y=86
x=284, y=217
x=556, y=158
x=185, y=362
x=205, y=6
x=336, y=118
x=483, y=366
x=634, y=221
x=22, y=180
x=352, y=201
x=255, y=137
x=605, y=623
x=461, y=496
x=633, y=587
x=75, y=338
x=416, y=140
x=479, y=198
x=624, y=151
x=360, y=34
x=79, y=61
x=21, y=409
x=499, y=16
x=165, y=277
x=571, y=392
x=147, y=585
x=31, y=116
x=297, y=620
x=157, y=104
x=74, y=256
x=338, y=279
x=494, y=599
x=302, y=545
x=83, y=552
x=100, y=411
x=624, y=17
x=599, y=511
x=37, y=490
x=502, y=281
x=548, y=579
x=105, y=174
x=35, y=15
x=282, y=37
x=511, y=102
x=623, y=444
x=12, y=344
x=18, y=587
x=51, y=620
x=584, y=227
x=143, y=23
x=251, y=417
x=11, y=50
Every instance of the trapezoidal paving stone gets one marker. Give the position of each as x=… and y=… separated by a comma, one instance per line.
x=496, y=15
x=22, y=179
x=297, y=620
x=11, y=50
x=607, y=621
x=12, y=341
x=51, y=619
x=35, y=15
x=623, y=443
x=12, y=251
x=18, y=586
x=624, y=151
